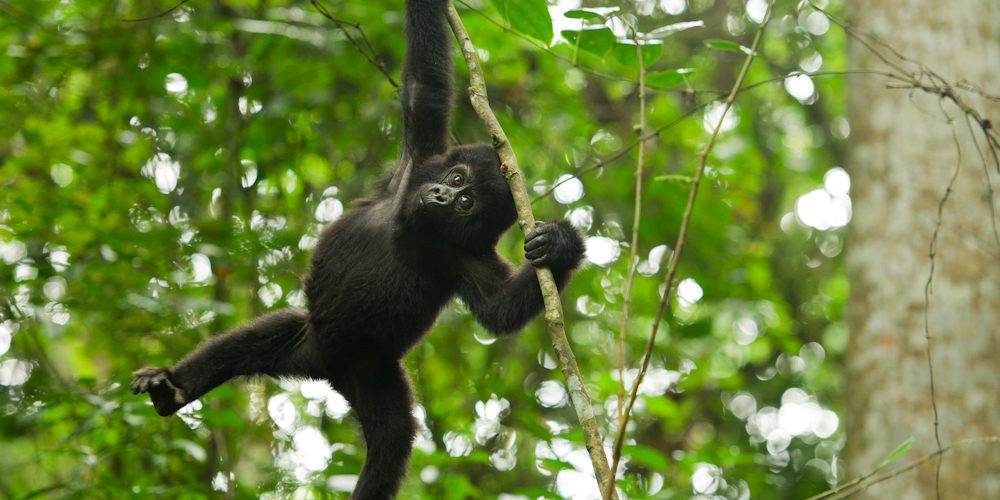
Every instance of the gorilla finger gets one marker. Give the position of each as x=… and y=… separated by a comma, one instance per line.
x=535, y=233
x=541, y=227
x=535, y=253
x=148, y=371
x=542, y=261
x=535, y=247
x=141, y=372
x=139, y=385
x=536, y=242
x=539, y=260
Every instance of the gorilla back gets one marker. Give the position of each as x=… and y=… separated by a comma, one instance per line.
x=381, y=274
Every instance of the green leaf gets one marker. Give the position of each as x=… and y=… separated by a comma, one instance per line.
x=597, y=41
x=554, y=464
x=625, y=54
x=582, y=14
x=647, y=456
x=670, y=29
x=530, y=17
x=726, y=45
x=898, y=452
x=667, y=78
x=661, y=407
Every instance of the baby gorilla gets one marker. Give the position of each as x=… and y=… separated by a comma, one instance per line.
x=382, y=272
x=377, y=282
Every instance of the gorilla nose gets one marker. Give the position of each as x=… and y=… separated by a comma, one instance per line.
x=441, y=195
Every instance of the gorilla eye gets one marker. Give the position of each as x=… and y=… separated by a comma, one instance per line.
x=457, y=179
x=465, y=202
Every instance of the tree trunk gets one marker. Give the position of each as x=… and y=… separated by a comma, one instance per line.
x=902, y=156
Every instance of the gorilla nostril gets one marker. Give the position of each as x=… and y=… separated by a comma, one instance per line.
x=439, y=195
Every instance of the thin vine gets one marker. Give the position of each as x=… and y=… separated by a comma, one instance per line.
x=682, y=234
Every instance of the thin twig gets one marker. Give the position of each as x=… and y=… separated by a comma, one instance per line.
x=986, y=177
x=861, y=483
x=157, y=16
x=931, y=255
x=364, y=46
x=682, y=233
x=636, y=217
x=782, y=78
x=868, y=41
x=603, y=162
x=553, y=307
x=975, y=89
x=923, y=78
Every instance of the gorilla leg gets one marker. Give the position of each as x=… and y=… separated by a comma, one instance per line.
x=278, y=343
x=382, y=400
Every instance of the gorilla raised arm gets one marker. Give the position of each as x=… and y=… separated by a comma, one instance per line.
x=382, y=272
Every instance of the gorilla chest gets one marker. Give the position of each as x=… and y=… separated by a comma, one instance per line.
x=366, y=289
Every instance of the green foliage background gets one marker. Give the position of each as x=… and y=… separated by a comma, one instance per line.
x=102, y=269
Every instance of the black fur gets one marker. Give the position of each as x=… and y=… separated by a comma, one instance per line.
x=381, y=274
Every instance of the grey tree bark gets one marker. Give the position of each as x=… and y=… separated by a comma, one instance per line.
x=902, y=155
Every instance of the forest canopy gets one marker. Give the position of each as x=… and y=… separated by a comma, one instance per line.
x=165, y=170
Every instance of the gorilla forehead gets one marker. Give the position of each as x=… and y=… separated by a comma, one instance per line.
x=479, y=155
x=482, y=160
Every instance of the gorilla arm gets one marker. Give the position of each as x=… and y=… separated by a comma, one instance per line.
x=503, y=300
